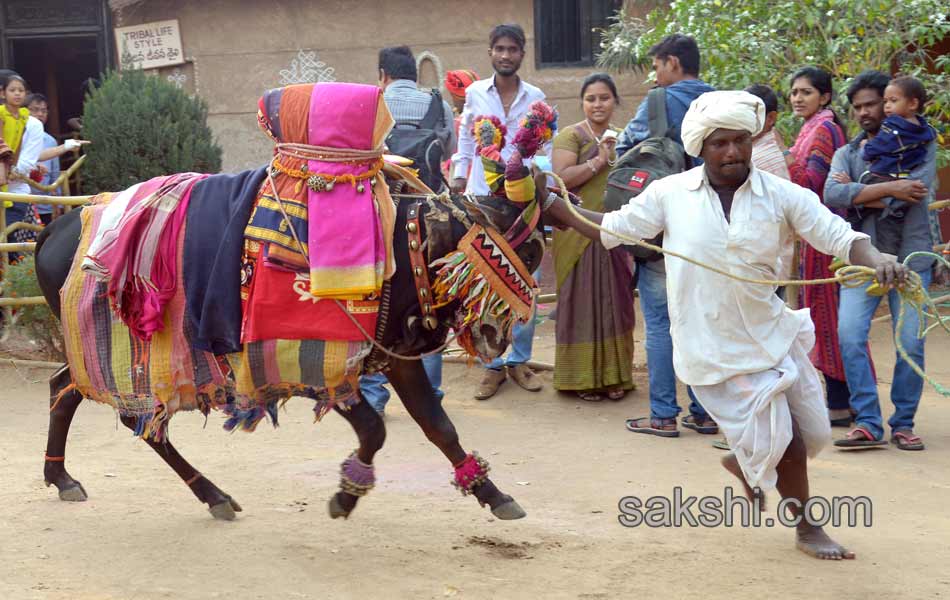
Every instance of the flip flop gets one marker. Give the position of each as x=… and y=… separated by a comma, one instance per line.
x=653, y=426
x=906, y=440
x=721, y=445
x=590, y=396
x=616, y=394
x=854, y=439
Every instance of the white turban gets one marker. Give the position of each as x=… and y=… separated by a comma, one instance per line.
x=720, y=110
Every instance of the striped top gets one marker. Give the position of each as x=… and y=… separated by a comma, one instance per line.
x=408, y=104
x=767, y=156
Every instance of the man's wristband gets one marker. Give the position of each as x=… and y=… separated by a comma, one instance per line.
x=547, y=202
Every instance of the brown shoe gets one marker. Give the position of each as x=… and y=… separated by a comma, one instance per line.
x=490, y=384
x=525, y=377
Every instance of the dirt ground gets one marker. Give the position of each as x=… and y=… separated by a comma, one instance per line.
x=142, y=534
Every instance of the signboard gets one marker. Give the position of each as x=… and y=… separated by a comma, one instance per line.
x=149, y=45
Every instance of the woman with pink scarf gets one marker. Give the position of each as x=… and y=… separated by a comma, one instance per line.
x=809, y=161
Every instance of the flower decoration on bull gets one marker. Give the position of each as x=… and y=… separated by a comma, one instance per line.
x=485, y=272
x=490, y=136
x=535, y=130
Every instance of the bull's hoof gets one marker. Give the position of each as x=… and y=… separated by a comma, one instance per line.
x=509, y=511
x=336, y=509
x=73, y=494
x=71, y=491
x=225, y=511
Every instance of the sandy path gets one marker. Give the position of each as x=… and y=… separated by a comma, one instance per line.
x=142, y=534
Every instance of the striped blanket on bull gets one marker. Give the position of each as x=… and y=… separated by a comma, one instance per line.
x=152, y=380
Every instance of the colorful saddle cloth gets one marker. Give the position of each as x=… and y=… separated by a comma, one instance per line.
x=339, y=211
x=152, y=380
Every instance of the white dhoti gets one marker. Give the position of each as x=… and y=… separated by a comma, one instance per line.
x=755, y=411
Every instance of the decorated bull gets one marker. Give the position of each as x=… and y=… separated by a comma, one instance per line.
x=236, y=292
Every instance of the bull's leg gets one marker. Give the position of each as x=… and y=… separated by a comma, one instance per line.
x=63, y=405
x=410, y=382
x=356, y=473
x=221, y=505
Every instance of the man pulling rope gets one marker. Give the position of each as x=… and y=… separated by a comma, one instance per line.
x=741, y=349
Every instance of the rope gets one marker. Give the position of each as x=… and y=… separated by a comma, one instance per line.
x=912, y=293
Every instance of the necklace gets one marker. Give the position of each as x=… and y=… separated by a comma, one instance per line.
x=590, y=128
x=600, y=138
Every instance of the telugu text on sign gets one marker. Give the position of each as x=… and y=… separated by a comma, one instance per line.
x=149, y=45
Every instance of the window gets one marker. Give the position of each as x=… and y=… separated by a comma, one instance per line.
x=564, y=30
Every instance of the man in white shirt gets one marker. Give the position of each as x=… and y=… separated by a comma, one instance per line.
x=507, y=97
x=743, y=351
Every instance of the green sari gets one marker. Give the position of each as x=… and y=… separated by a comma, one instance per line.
x=595, y=318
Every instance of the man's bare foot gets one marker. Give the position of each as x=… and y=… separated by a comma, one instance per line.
x=815, y=542
x=731, y=464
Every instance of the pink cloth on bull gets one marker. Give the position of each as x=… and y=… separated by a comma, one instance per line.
x=345, y=237
x=137, y=257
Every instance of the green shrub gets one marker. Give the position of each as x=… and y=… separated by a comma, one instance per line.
x=35, y=322
x=141, y=127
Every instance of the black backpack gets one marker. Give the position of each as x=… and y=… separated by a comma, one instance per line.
x=653, y=158
x=424, y=143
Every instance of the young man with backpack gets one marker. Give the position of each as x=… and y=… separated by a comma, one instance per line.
x=424, y=132
x=424, y=129
x=676, y=63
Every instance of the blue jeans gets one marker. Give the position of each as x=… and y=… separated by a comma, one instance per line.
x=521, y=343
x=372, y=390
x=651, y=283
x=855, y=311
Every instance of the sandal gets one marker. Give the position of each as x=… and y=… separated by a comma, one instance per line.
x=704, y=425
x=660, y=427
x=590, y=396
x=616, y=394
x=722, y=444
x=906, y=440
x=859, y=437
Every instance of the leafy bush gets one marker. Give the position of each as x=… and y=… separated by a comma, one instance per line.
x=141, y=127
x=35, y=322
x=765, y=41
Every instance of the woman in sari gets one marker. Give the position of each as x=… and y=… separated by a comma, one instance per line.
x=595, y=318
x=809, y=161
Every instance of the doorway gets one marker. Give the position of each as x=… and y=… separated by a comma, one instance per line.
x=59, y=68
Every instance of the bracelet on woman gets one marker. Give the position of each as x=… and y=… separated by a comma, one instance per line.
x=590, y=163
x=547, y=202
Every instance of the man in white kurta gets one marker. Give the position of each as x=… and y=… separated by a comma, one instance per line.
x=736, y=343
x=739, y=346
